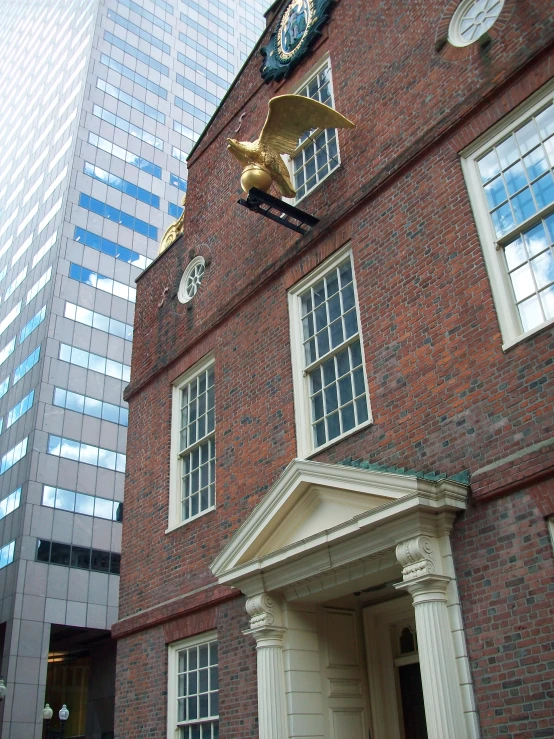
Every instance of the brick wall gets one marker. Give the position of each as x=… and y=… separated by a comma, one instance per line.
x=141, y=689
x=444, y=395
x=504, y=565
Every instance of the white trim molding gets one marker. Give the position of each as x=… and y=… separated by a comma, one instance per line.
x=513, y=219
x=326, y=531
x=303, y=372
x=175, y=518
x=173, y=650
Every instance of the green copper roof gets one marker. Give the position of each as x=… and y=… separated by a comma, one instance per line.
x=461, y=477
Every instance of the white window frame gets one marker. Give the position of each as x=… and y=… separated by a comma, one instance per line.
x=173, y=650
x=174, y=513
x=301, y=379
x=506, y=309
x=325, y=61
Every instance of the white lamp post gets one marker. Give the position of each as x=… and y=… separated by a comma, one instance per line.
x=64, y=715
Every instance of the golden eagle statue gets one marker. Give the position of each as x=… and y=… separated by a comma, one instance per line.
x=288, y=118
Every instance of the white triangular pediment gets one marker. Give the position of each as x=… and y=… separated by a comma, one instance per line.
x=309, y=498
x=317, y=510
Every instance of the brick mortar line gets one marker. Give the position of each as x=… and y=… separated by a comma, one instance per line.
x=512, y=457
x=168, y=602
x=126, y=627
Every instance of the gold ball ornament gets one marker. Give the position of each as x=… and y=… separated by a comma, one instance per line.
x=254, y=175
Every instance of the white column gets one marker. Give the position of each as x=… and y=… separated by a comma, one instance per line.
x=265, y=627
x=439, y=676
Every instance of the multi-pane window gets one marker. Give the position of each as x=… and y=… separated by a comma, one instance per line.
x=194, y=689
x=512, y=190
x=519, y=186
x=196, y=476
x=317, y=154
x=330, y=385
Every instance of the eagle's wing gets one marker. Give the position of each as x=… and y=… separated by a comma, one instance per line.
x=290, y=116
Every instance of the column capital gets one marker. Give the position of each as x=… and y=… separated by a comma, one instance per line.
x=419, y=556
x=264, y=611
x=426, y=588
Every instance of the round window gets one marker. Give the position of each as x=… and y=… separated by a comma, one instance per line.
x=191, y=279
x=472, y=19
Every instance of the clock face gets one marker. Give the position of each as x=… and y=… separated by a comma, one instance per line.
x=299, y=26
x=293, y=28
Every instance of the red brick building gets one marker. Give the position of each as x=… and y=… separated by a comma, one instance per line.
x=341, y=445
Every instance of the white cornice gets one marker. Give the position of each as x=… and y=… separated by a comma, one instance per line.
x=410, y=506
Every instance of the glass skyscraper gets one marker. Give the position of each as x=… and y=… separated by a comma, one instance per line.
x=101, y=102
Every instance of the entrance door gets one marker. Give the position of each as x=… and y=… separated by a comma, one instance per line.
x=344, y=674
x=395, y=690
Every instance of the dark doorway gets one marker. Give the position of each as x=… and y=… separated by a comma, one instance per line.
x=413, y=710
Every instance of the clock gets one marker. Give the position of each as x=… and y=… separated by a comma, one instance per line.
x=298, y=27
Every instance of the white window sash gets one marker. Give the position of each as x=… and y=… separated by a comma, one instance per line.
x=506, y=309
x=173, y=724
x=301, y=372
x=174, y=511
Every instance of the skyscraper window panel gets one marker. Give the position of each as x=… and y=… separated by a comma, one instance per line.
x=49, y=216
x=28, y=218
x=10, y=503
x=83, y=558
x=7, y=351
x=197, y=90
x=7, y=553
x=165, y=6
x=146, y=14
x=63, y=128
x=16, y=283
x=208, y=53
x=110, y=248
x=85, y=453
x=13, y=456
x=4, y=386
x=90, y=406
x=118, y=216
x=174, y=210
x=178, y=182
x=10, y=318
x=94, y=362
x=57, y=182
x=193, y=110
x=134, y=76
x=184, y=131
x=129, y=100
x=44, y=249
x=27, y=364
x=208, y=16
x=150, y=37
x=123, y=185
x=101, y=282
x=39, y=284
x=20, y=409
x=99, y=321
x=137, y=53
x=191, y=64
x=22, y=249
x=127, y=126
x=60, y=154
x=221, y=6
x=126, y=155
x=179, y=154
x=31, y=325
x=86, y=505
